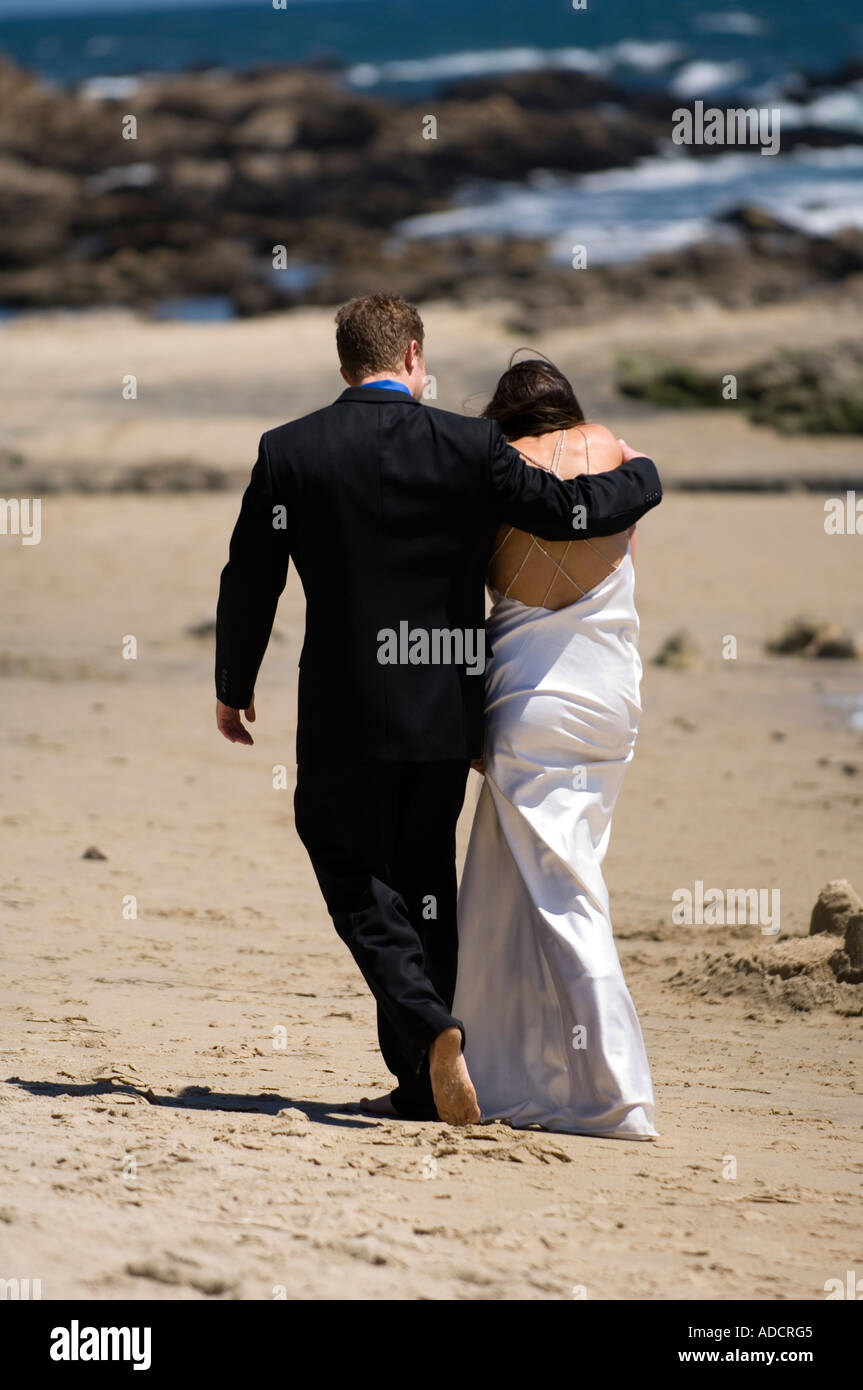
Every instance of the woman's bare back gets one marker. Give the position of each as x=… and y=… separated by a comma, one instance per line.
x=553, y=574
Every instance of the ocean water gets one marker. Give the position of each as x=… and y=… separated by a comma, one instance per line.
x=699, y=44
x=723, y=51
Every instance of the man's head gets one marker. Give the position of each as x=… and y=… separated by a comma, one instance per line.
x=381, y=336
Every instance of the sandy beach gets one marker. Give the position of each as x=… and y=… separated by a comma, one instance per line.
x=184, y=1034
x=205, y=392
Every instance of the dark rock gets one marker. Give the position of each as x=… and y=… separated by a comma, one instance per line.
x=93, y=853
x=835, y=644
x=228, y=164
x=752, y=218
x=797, y=391
x=796, y=637
x=808, y=391
x=180, y=475
x=680, y=651
x=10, y=459
x=854, y=940
x=342, y=124
x=648, y=376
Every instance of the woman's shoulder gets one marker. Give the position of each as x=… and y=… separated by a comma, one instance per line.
x=600, y=442
x=595, y=431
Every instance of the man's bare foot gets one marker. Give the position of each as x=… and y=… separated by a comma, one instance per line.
x=452, y=1087
x=381, y=1106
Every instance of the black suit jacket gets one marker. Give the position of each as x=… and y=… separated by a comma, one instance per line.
x=388, y=509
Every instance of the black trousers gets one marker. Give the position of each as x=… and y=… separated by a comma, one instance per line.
x=381, y=838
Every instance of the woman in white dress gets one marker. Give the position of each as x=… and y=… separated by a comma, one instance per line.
x=552, y=1036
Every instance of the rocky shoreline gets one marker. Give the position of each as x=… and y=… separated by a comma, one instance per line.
x=224, y=167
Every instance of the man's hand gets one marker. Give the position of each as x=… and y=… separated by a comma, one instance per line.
x=231, y=725
x=628, y=453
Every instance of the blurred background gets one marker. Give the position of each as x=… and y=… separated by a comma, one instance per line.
x=306, y=127
x=206, y=163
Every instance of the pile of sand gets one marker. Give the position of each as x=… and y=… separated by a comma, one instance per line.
x=798, y=973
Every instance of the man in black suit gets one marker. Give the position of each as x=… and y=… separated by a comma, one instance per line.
x=388, y=509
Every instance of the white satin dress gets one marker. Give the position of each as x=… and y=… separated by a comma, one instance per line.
x=552, y=1036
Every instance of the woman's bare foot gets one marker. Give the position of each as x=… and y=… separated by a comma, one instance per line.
x=382, y=1106
x=452, y=1087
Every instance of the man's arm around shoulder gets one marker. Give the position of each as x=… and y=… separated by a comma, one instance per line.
x=593, y=504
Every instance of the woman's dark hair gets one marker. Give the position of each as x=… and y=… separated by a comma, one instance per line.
x=533, y=397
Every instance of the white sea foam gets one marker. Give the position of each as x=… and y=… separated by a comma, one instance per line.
x=110, y=88
x=662, y=203
x=611, y=242
x=841, y=110
x=643, y=55
x=699, y=77
x=122, y=176
x=476, y=63
x=842, y=157
x=666, y=172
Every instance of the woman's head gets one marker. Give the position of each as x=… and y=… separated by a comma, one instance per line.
x=533, y=397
